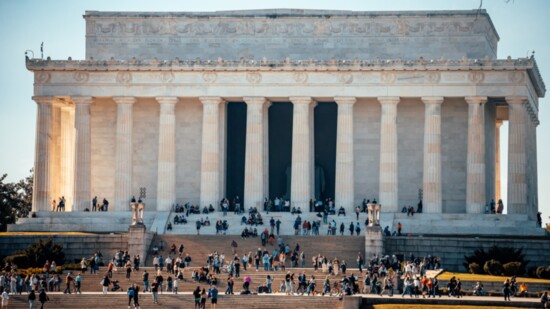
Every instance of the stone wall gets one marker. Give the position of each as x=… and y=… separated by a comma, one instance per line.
x=453, y=250
x=281, y=33
x=74, y=246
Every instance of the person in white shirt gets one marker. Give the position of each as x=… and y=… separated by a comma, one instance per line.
x=5, y=299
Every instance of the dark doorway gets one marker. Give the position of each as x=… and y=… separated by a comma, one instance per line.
x=280, y=149
x=236, y=146
x=325, y=123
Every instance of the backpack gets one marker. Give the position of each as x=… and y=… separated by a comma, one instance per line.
x=130, y=292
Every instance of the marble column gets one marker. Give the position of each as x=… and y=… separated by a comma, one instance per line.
x=265, y=125
x=55, y=153
x=124, y=153
x=517, y=160
x=82, y=164
x=254, y=153
x=210, y=160
x=67, y=155
x=166, y=174
x=498, y=189
x=475, y=164
x=41, y=198
x=389, y=198
x=432, y=200
x=344, y=184
x=300, y=187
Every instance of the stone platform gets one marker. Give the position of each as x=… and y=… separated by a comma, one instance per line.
x=419, y=224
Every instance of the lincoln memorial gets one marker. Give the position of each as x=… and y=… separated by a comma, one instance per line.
x=298, y=104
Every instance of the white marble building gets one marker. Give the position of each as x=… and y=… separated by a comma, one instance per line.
x=420, y=100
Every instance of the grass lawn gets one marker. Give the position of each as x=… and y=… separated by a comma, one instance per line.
x=409, y=306
x=473, y=277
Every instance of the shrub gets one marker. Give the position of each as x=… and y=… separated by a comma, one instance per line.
x=543, y=272
x=502, y=254
x=37, y=254
x=512, y=268
x=475, y=268
x=493, y=267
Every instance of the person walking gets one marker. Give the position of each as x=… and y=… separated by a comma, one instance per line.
x=43, y=298
x=145, y=279
x=68, y=281
x=130, y=294
x=31, y=298
x=197, y=296
x=5, y=299
x=136, y=297
x=105, y=284
x=78, y=284
x=506, y=289
x=213, y=296
x=203, y=299
x=155, y=291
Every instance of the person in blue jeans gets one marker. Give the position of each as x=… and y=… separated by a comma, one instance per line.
x=213, y=292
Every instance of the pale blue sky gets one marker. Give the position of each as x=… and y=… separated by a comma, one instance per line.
x=523, y=26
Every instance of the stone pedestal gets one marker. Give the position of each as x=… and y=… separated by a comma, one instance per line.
x=374, y=241
x=139, y=241
x=137, y=213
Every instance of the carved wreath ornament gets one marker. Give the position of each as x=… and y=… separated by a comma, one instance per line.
x=167, y=77
x=81, y=77
x=476, y=77
x=300, y=77
x=124, y=78
x=209, y=77
x=345, y=78
x=254, y=78
x=42, y=77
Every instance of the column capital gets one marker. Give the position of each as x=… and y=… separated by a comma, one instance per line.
x=388, y=100
x=255, y=100
x=211, y=100
x=167, y=100
x=516, y=100
x=432, y=100
x=476, y=100
x=82, y=100
x=43, y=99
x=300, y=100
x=345, y=100
x=125, y=100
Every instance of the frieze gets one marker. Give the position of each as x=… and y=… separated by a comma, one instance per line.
x=433, y=77
x=387, y=77
x=389, y=26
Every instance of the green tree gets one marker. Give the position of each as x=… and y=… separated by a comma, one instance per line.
x=37, y=254
x=15, y=200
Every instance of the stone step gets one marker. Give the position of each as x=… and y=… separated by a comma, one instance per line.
x=120, y=300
